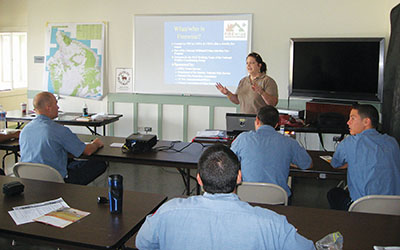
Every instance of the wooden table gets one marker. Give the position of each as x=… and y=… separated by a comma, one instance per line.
x=66, y=118
x=321, y=169
x=99, y=230
x=184, y=161
x=188, y=158
x=360, y=230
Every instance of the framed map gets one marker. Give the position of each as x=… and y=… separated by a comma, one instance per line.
x=75, y=59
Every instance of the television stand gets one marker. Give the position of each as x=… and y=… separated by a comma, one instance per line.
x=316, y=100
x=315, y=108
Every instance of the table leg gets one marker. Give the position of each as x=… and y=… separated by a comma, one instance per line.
x=16, y=156
x=94, y=132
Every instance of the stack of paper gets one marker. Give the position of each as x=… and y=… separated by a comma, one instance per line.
x=55, y=212
x=62, y=217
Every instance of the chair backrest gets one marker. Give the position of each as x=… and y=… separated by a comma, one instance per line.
x=377, y=204
x=266, y=193
x=37, y=171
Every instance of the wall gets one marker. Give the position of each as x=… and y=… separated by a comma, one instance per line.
x=274, y=22
x=11, y=100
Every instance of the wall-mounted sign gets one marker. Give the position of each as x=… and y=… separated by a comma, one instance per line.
x=123, y=80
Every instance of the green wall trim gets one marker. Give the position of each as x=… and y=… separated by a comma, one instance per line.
x=159, y=121
x=170, y=99
x=211, y=117
x=135, y=117
x=185, y=101
x=185, y=122
x=32, y=93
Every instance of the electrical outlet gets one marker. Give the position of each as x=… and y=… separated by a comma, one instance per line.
x=147, y=129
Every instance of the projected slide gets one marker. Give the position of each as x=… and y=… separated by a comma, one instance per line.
x=205, y=52
x=188, y=54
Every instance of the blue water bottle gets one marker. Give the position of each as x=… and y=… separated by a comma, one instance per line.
x=115, y=193
x=2, y=120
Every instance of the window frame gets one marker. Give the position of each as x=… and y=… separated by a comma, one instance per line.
x=13, y=60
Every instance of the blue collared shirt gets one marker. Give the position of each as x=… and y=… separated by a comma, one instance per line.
x=44, y=141
x=373, y=164
x=266, y=155
x=217, y=221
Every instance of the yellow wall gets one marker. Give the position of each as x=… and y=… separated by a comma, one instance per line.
x=11, y=100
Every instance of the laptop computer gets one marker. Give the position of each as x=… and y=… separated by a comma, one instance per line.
x=238, y=122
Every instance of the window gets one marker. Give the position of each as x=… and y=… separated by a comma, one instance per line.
x=13, y=60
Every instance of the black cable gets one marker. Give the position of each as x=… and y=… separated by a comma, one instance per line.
x=172, y=145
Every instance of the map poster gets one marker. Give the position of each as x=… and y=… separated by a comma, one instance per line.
x=75, y=59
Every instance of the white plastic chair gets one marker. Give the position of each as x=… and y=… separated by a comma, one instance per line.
x=377, y=204
x=37, y=171
x=265, y=193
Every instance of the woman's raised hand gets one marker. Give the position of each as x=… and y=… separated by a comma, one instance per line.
x=221, y=88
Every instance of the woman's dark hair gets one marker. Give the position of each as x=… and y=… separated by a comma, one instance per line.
x=258, y=59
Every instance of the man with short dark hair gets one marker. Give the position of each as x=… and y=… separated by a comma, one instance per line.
x=44, y=141
x=265, y=154
x=217, y=219
x=372, y=160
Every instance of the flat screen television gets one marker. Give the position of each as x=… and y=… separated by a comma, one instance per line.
x=343, y=69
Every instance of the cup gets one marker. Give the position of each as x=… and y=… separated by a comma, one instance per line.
x=115, y=193
x=23, y=108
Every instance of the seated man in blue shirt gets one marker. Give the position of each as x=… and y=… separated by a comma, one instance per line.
x=372, y=160
x=217, y=219
x=265, y=154
x=44, y=141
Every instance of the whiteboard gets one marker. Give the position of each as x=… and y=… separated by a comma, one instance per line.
x=188, y=54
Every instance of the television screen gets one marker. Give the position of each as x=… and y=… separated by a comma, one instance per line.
x=337, y=68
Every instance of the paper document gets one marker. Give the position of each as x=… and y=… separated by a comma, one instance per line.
x=83, y=119
x=211, y=133
x=62, y=217
x=386, y=248
x=25, y=214
x=116, y=145
x=326, y=158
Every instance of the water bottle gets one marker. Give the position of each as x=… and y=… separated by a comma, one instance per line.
x=85, y=111
x=282, y=129
x=2, y=120
x=115, y=193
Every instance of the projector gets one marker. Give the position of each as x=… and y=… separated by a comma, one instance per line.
x=140, y=143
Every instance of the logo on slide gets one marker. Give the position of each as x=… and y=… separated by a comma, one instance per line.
x=235, y=30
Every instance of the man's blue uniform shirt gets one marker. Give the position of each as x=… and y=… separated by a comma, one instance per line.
x=373, y=164
x=217, y=221
x=266, y=155
x=44, y=141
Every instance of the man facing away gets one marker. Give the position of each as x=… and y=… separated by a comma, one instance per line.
x=372, y=160
x=217, y=219
x=265, y=154
x=44, y=141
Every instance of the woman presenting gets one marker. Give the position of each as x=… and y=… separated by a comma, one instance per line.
x=255, y=90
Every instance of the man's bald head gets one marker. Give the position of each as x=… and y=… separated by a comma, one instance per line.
x=45, y=104
x=41, y=100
